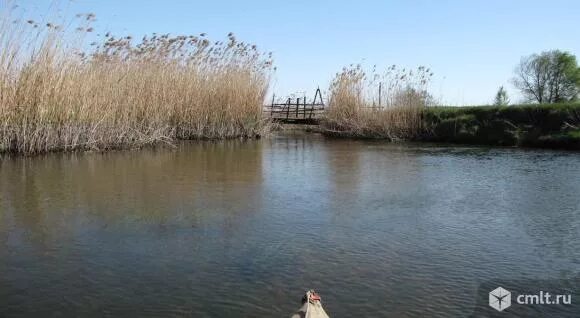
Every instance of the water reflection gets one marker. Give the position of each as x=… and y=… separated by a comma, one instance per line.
x=52, y=195
x=241, y=229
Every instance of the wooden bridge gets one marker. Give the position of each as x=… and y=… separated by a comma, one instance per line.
x=297, y=111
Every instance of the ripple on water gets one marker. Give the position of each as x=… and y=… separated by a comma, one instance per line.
x=242, y=229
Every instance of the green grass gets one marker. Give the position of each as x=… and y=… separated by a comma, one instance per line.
x=552, y=126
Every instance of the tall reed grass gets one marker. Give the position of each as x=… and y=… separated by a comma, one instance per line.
x=374, y=105
x=60, y=93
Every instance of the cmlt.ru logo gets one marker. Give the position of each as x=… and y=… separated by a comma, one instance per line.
x=500, y=299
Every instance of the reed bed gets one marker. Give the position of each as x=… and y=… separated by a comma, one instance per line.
x=60, y=93
x=373, y=105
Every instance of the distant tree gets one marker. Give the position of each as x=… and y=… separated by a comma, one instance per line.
x=501, y=97
x=548, y=77
x=412, y=96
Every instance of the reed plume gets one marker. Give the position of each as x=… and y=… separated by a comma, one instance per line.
x=59, y=94
x=374, y=105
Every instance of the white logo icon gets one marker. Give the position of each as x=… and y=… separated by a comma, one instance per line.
x=500, y=299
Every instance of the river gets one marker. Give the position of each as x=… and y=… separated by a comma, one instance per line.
x=244, y=228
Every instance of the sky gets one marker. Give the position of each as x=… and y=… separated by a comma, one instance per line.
x=471, y=46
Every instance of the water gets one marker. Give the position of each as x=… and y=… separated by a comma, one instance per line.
x=242, y=229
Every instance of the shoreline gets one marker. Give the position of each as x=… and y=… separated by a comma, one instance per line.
x=555, y=126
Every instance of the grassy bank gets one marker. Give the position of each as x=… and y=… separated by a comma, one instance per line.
x=546, y=126
x=60, y=93
x=401, y=109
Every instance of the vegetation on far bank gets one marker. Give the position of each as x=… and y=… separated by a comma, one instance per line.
x=550, y=79
x=58, y=93
x=543, y=125
x=360, y=106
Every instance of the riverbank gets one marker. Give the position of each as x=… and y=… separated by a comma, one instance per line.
x=543, y=126
x=554, y=126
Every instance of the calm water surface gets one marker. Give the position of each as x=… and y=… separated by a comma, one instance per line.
x=242, y=229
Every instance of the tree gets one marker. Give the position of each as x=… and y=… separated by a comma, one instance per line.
x=501, y=98
x=548, y=77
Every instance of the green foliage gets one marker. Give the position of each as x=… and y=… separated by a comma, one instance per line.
x=574, y=134
x=548, y=77
x=546, y=125
x=501, y=97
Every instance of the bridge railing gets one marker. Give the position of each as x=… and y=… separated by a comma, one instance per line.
x=296, y=110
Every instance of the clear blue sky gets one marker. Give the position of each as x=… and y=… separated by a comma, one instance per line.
x=472, y=46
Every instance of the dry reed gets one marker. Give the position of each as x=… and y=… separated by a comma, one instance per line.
x=58, y=93
x=388, y=105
